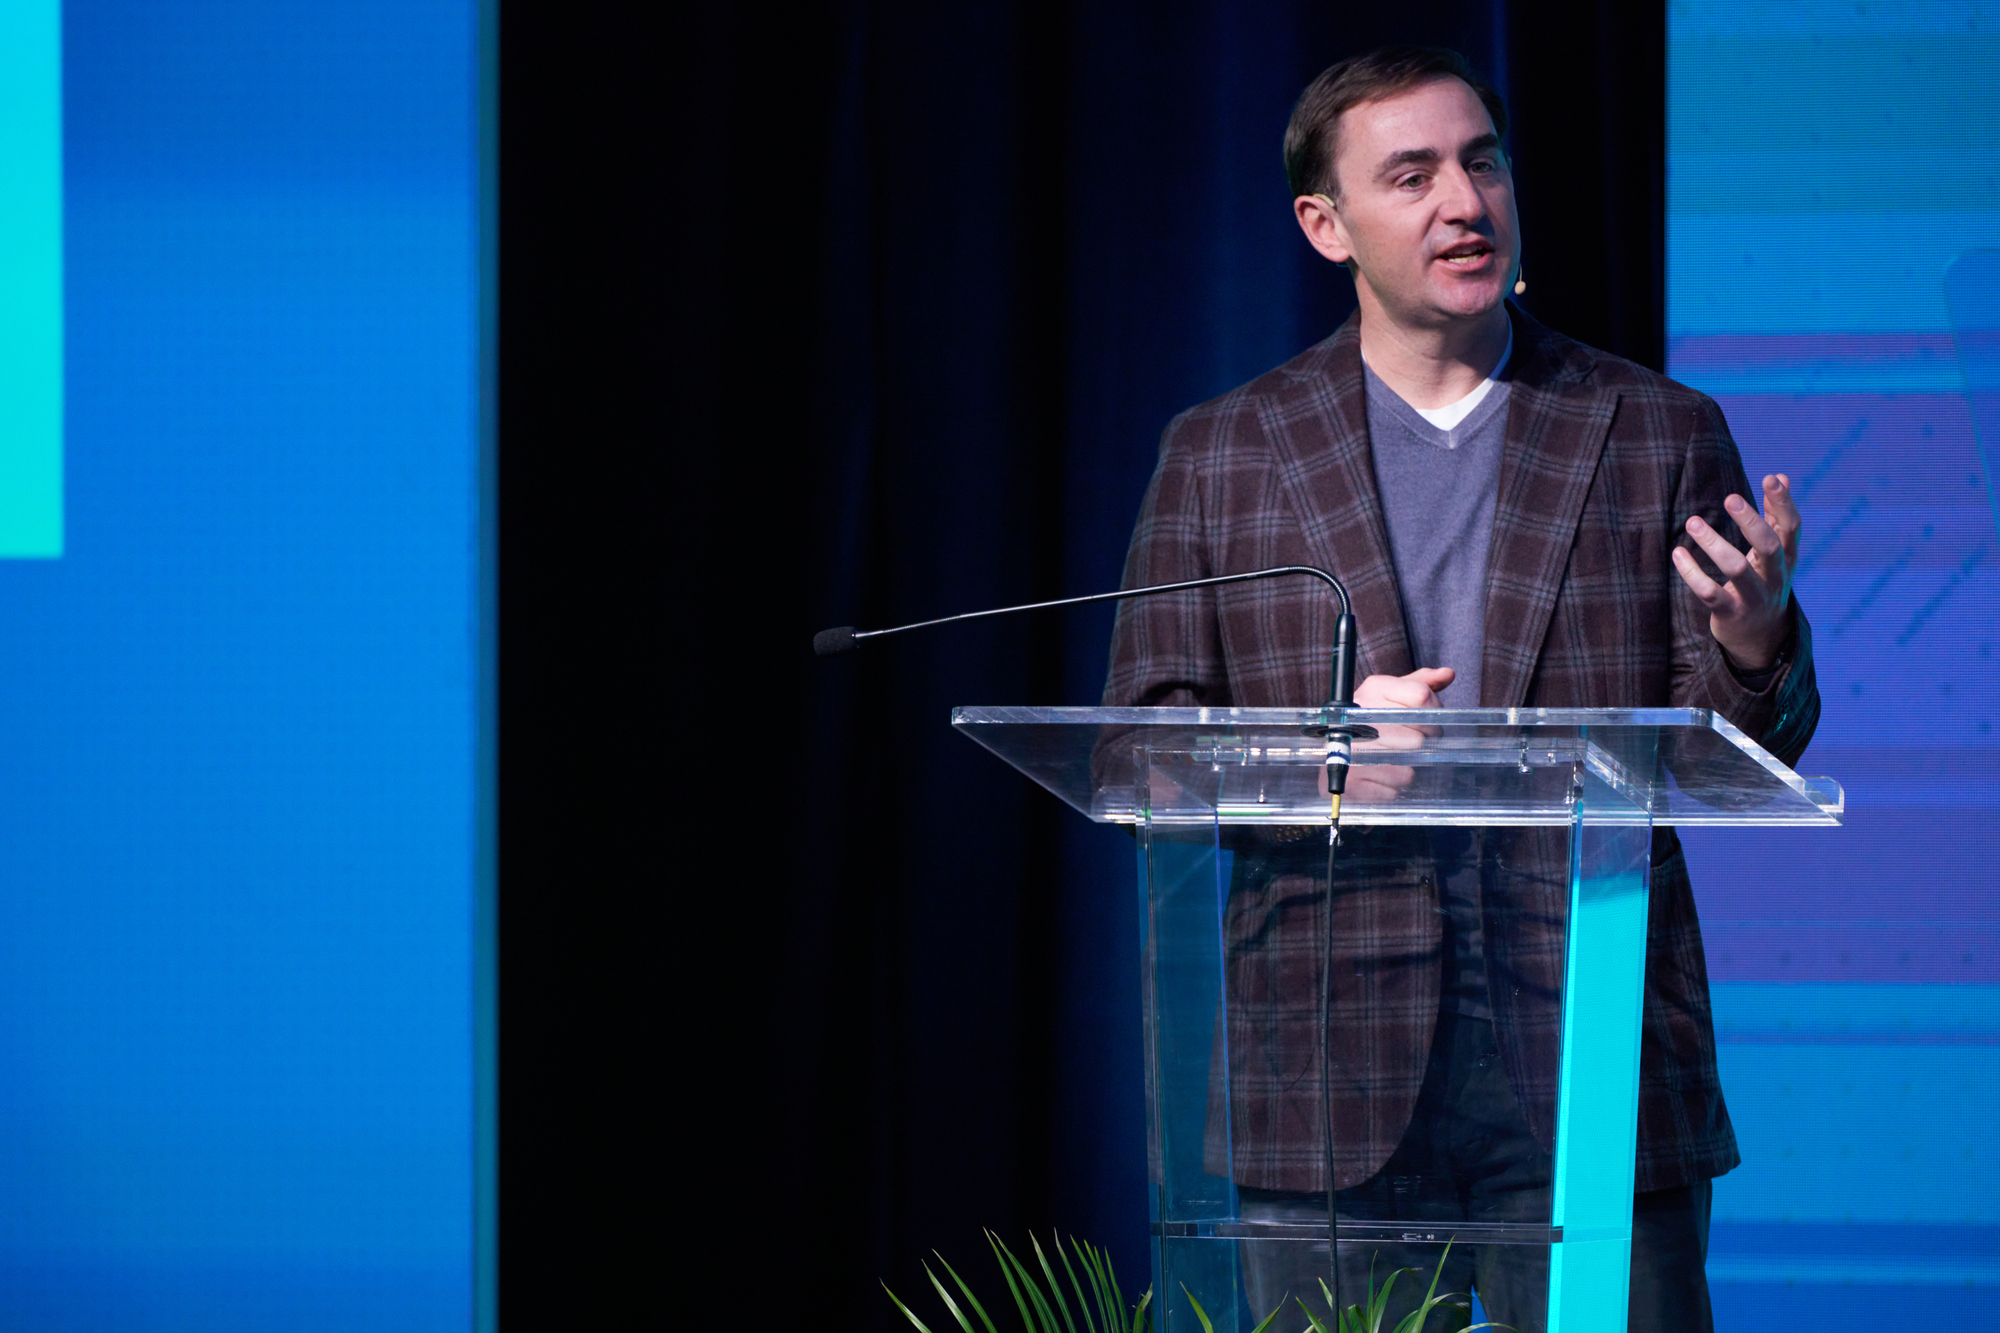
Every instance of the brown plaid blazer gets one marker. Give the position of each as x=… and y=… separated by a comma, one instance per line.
x=1604, y=461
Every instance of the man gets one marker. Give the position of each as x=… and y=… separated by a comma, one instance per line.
x=1522, y=521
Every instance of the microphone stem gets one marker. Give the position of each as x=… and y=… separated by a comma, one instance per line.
x=1340, y=592
x=1344, y=635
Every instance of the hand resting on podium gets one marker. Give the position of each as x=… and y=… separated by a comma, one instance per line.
x=1379, y=784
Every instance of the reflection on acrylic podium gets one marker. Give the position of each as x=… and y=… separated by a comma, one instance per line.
x=1294, y=990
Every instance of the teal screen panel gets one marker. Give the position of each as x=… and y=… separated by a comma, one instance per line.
x=31, y=280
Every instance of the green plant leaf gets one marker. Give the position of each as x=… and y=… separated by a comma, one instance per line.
x=1111, y=1281
x=1041, y=1299
x=1093, y=1305
x=971, y=1299
x=1199, y=1313
x=1111, y=1300
x=1055, y=1287
x=1082, y=1299
x=1319, y=1325
x=949, y=1303
x=906, y=1310
x=1378, y=1303
x=1270, y=1317
x=1013, y=1288
x=1110, y=1305
x=1414, y=1321
x=1141, y=1319
x=1033, y=1290
x=1438, y=1276
x=1092, y=1280
x=1345, y=1321
x=1368, y=1310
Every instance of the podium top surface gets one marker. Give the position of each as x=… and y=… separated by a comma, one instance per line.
x=1475, y=766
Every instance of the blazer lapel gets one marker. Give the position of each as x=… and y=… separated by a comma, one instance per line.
x=1556, y=429
x=1320, y=438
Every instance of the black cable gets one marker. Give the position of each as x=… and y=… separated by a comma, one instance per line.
x=1326, y=1083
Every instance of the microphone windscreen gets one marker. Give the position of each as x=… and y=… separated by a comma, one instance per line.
x=830, y=641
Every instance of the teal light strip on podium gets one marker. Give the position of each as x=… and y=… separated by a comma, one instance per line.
x=31, y=282
x=1598, y=1100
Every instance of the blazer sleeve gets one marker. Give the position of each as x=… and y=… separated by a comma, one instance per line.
x=1783, y=713
x=1166, y=650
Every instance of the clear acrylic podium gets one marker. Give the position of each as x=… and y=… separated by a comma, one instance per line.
x=1289, y=1028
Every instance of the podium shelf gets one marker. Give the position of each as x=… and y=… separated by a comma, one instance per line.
x=1484, y=767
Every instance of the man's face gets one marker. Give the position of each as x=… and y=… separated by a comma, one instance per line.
x=1426, y=204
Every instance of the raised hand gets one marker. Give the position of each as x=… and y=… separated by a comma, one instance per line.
x=1749, y=612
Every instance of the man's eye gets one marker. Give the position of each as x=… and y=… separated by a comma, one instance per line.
x=1413, y=182
x=1480, y=164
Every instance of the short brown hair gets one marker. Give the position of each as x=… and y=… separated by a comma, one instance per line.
x=1310, y=138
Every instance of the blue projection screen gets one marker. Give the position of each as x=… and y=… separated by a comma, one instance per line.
x=1834, y=281
x=240, y=711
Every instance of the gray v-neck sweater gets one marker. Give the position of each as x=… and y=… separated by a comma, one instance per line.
x=1438, y=490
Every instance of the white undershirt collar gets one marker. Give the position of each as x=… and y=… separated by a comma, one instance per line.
x=1445, y=418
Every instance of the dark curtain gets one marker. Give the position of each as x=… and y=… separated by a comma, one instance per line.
x=859, y=315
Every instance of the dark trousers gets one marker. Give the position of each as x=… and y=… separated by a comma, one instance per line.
x=1469, y=1156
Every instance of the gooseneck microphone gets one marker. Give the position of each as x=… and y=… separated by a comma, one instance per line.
x=1339, y=739
x=1339, y=736
x=846, y=638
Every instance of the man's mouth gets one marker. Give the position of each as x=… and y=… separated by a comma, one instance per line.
x=1466, y=255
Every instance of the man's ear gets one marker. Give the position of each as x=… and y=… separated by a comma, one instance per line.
x=1320, y=220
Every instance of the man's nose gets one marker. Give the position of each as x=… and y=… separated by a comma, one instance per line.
x=1459, y=200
